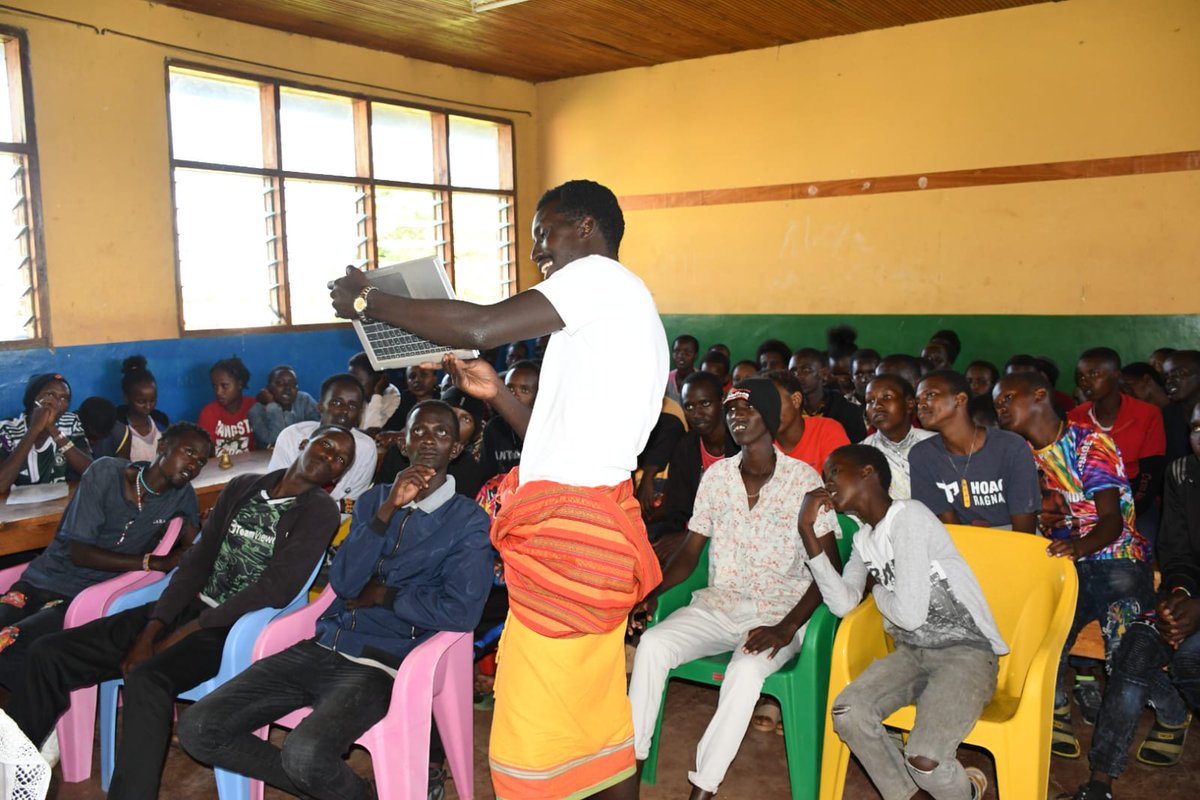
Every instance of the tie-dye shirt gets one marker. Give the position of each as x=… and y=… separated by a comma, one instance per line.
x=1080, y=463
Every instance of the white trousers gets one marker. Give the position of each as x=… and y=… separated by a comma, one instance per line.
x=692, y=632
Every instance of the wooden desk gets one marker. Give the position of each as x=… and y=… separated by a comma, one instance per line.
x=32, y=526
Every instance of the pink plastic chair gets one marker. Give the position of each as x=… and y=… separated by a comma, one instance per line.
x=77, y=727
x=435, y=677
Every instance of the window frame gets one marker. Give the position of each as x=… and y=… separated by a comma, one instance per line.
x=33, y=194
x=270, y=97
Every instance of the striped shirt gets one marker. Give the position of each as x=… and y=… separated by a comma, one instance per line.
x=45, y=464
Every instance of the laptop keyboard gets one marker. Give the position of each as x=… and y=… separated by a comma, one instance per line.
x=391, y=342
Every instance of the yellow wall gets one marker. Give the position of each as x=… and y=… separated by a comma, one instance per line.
x=101, y=118
x=1052, y=82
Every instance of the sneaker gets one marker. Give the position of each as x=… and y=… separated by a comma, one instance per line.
x=978, y=781
x=1087, y=697
x=1093, y=790
x=1062, y=740
x=437, y=783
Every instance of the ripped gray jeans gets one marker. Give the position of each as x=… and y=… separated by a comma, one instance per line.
x=949, y=686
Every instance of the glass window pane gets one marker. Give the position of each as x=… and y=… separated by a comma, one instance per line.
x=225, y=249
x=11, y=130
x=16, y=267
x=215, y=119
x=318, y=132
x=409, y=224
x=323, y=229
x=482, y=247
x=477, y=149
x=402, y=143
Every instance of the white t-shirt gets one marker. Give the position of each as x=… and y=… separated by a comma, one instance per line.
x=588, y=425
x=354, y=481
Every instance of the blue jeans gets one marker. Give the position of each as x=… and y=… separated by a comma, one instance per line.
x=1113, y=592
x=347, y=699
x=1137, y=674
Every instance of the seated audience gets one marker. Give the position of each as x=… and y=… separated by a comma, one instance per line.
x=821, y=399
x=501, y=449
x=759, y=595
x=1087, y=513
x=140, y=409
x=684, y=350
x=382, y=397
x=943, y=349
x=1159, y=655
x=772, y=354
x=417, y=561
x=947, y=644
x=1136, y=428
x=111, y=525
x=891, y=401
x=464, y=468
x=969, y=475
x=280, y=404
x=981, y=378
x=706, y=442
x=1142, y=381
x=421, y=384
x=1182, y=377
x=340, y=407
x=45, y=443
x=901, y=364
x=807, y=439
x=1023, y=362
x=257, y=549
x=227, y=418
x=743, y=371
x=863, y=369
x=106, y=435
x=650, y=476
x=1158, y=359
x=841, y=345
x=717, y=363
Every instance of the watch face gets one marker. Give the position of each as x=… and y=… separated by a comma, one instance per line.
x=360, y=304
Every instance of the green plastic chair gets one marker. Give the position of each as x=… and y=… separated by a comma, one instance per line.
x=800, y=686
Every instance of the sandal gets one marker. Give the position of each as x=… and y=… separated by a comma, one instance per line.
x=767, y=717
x=1062, y=739
x=1164, y=744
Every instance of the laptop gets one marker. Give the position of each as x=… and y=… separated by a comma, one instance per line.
x=388, y=346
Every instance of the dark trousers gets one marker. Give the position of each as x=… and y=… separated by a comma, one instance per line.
x=1137, y=675
x=26, y=613
x=92, y=653
x=346, y=699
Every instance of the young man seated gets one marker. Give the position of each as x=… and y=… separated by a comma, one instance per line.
x=862, y=370
x=891, y=401
x=743, y=371
x=1136, y=428
x=417, y=561
x=1181, y=373
x=111, y=525
x=821, y=399
x=981, y=377
x=759, y=595
x=1159, y=656
x=772, y=354
x=906, y=366
x=341, y=406
x=501, y=450
x=717, y=363
x=807, y=439
x=947, y=643
x=382, y=398
x=45, y=443
x=467, y=472
x=280, y=405
x=684, y=350
x=1087, y=513
x=968, y=474
x=257, y=548
x=706, y=442
x=1140, y=380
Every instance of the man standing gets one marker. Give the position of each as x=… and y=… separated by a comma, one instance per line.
x=562, y=724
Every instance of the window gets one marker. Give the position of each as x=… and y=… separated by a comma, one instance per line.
x=22, y=286
x=277, y=187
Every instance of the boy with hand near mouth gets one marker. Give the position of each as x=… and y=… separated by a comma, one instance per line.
x=947, y=643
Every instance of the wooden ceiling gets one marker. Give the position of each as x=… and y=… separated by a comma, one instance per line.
x=542, y=40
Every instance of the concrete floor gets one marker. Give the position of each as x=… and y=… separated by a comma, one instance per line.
x=759, y=773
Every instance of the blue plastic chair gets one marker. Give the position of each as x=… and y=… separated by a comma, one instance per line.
x=236, y=657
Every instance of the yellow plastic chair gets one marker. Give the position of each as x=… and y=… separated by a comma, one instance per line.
x=1032, y=597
